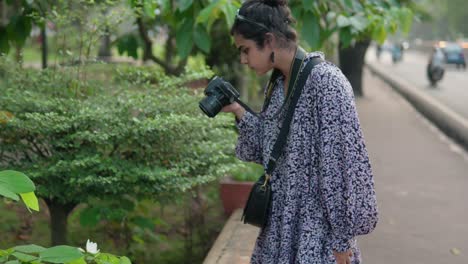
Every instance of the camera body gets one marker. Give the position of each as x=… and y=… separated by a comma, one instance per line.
x=219, y=93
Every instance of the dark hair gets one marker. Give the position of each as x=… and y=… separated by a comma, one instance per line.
x=255, y=18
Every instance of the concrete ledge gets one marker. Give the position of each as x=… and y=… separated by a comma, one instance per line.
x=234, y=244
x=453, y=124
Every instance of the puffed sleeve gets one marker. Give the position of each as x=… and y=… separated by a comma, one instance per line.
x=345, y=176
x=249, y=143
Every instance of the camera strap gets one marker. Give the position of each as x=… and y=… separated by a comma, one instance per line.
x=299, y=57
x=282, y=137
x=246, y=107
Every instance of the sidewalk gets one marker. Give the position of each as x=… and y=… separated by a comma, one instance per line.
x=421, y=180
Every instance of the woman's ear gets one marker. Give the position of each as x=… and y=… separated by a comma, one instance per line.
x=270, y=40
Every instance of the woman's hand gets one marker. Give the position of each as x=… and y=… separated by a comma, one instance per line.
x=234, y=108
x=343, y=257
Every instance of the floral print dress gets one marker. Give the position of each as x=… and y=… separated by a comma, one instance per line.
x=314, y=180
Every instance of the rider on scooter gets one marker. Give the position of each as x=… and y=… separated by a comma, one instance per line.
x=435, y=67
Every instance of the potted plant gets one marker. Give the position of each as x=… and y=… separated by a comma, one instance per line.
x=235, y=187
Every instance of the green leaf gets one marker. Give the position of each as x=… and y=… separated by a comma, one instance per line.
x=184, y=38
x=406, y=19
x=4, y=45
x=6, y=252
x=16, y=182
x=209, y=14
x=184, y=4
x=106, y=257
x=13, y=262
x=78, y=261
x=379, y=33
x=29, y=249
x=206, y=13
x=202, y=38
x=311, y=30
x=343, y=21
x=229, y=10
x=30, y=200
x=148, y=8
x=19, y=29
x=128, y=44
x=358, y=22
x=60, y=254
x=7, y=193
x=24, y=257
x=125, y=260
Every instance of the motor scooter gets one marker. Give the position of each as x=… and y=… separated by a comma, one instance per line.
x=397, y=54
x=435, y=73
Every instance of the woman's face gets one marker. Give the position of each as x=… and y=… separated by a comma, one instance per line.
x=257, y=59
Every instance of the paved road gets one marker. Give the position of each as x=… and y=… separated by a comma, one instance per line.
x=452, y=91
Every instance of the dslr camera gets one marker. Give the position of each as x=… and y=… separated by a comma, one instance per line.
x=219, y=93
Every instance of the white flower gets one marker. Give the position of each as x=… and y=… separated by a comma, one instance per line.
x=91, y=247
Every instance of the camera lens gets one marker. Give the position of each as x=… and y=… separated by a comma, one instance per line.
x=210, y=106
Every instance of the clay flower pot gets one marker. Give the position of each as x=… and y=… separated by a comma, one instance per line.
x=234, y=194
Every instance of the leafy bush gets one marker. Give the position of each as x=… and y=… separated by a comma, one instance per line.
x=138, y=75
x=121, y=141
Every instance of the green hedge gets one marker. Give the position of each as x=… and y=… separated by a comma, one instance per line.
x=136, y=136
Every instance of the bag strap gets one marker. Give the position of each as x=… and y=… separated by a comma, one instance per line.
x=282, y=137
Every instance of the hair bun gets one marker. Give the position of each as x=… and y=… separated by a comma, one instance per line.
x=275, y=3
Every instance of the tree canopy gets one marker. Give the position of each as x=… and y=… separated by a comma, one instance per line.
x=187, y=25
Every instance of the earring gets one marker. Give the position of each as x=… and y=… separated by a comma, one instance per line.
x=272, y=57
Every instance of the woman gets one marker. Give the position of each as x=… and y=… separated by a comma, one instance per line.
x=315, y=190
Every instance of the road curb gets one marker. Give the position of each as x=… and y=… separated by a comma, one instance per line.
x=450, y=122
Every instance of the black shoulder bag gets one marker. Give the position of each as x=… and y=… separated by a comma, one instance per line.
x=257, y=207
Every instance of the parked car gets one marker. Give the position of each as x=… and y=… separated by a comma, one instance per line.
x=454, y=54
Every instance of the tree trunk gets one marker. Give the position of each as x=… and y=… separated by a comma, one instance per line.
x=19, y=54
x=44, y=48
x=147, y=42
x=58, y=221
x=104, y=53
x=148, y=52
x=352, y=64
